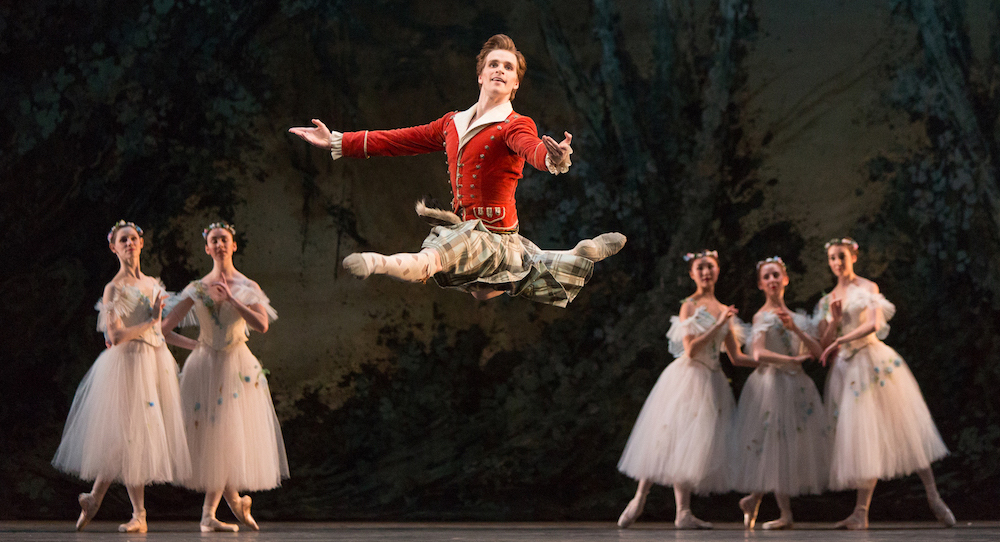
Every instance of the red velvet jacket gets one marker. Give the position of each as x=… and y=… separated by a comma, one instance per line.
x=484, y=172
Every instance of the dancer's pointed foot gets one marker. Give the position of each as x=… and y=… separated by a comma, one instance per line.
x=749, y=505
x=88, y=509
x=857, y=521
x=356, y=265
x=632, y=511
x=942, y=512
x=135, y=525
x=600, y=247
x=686, y=520
x=777, y=524
x=209, y=525
x=243, y=514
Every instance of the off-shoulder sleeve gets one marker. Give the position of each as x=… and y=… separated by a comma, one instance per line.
x=762, y=322
x=805, y=322
x=123, y=301
x=103, y=313
x=740, y=330
x=698, y=323
x=884, y=311
x=190, y=319
x=253, y=295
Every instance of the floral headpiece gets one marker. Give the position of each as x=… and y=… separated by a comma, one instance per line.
x=122, y=224
x=219, y=226
x=773, y=259
x=705, y=253
x=847, y=241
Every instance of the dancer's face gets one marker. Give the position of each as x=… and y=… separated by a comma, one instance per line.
x=772, y=279
x=499, y=75
x=127, y=244
x=705, y=271
x=220, y=244
x=841, y=260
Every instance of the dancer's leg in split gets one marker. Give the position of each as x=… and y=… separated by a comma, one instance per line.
x=684, y=518
x=137, y=495
x=240, y=507
x=634, y=508
x=405, y=266
x=940, y=509
x=858, y=519
x=750, y=505
x=208, y=521
x=90, y=503
x=785, y=520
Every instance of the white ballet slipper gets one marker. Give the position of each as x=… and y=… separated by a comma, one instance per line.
x=356, y=265
x=942, y=512
x=135, y=525
x=210, y=525
x=88, y=509
x=686, y=520
x=777, y=524
x=749, y=505
x=243, y=514
x=857, y=521
x=632, y=511
x=601, y=247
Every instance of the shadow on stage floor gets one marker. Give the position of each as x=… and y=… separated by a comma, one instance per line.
x=45, y=531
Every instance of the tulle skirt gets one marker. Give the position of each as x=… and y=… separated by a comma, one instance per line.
x=780, y=441
x=882, y=427
x=231, y=427
x=125, y=424
x=681, y=434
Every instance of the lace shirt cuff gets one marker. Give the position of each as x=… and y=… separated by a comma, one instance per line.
x=556, y=169
x=336, y=144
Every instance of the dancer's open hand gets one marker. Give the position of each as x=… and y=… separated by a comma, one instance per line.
x=220, y=291
x=558, y=152
x=318, y=136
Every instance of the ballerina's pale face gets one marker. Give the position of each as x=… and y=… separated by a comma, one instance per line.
x=704, y=271
x=127, y=244
x=771, y=279
x=841, y=260
x=220, y=244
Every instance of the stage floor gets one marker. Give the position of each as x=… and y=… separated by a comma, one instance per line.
x=45, y=531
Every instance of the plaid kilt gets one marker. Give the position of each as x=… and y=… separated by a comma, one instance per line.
x=477, y=259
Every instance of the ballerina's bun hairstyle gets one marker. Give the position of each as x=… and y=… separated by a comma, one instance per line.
x=851, y=244
x=504, y=43
x=122, y=224
x=219, y=226
x=690, y=257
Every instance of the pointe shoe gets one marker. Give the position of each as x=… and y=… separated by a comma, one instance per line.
x=750, y=506
x=135, y=525
x=600, y=247
x=243, y=514
x=88, y=509
x=777, y=524
x=857, y=521
x=686, y=520
x=942, y=512
x=356, y=265
x=632, y=512
x=210, y=525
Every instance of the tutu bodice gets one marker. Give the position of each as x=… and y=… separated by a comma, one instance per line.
x=221, y=325
x=132, y=306
x=778, y=339
x=855, y=312
x=697, y=324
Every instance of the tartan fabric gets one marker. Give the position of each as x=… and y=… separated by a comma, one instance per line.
x=478, y=259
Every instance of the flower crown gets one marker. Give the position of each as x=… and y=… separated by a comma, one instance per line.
x=842, y=241
x=705, y=253
x=122, y=224
x=219, y=226
x=773, y=259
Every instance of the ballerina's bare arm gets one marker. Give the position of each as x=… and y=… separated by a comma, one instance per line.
x=318, y=136
x=735, y=353
x=255, y=315
x=828, y=329
x=117, y=333
x=810, y=342
x=694, y=343
x=869, y=327
x=175, y=316
x=176, y=339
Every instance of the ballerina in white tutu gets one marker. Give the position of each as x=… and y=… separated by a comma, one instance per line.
x=232, y=429
x=680, y=437
x=125, y=424
x=780, y=441
x=882, y=427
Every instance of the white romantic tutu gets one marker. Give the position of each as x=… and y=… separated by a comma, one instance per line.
x=681, y=433
x=232, y=429
x=125, y=423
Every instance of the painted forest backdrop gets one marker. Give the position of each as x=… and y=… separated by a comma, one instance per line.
x=755, y=127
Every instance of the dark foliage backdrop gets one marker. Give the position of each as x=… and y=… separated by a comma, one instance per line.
x=172, y=113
